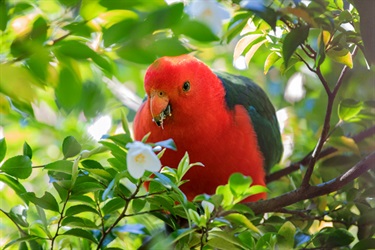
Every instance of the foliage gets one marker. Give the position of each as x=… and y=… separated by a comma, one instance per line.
x=61, y=66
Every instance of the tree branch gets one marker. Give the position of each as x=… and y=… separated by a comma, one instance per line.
x=309, y=192
x=327, y=120
x=295, y=166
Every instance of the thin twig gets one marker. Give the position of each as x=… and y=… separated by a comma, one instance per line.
x=60, y=220
x=306, y=63
x=295, y=166
x=326, y=126
x=119, y=218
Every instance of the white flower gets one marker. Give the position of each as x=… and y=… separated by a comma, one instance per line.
x=141, y=158
x=209, y=12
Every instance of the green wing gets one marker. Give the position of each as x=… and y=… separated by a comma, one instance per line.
x=242, y=91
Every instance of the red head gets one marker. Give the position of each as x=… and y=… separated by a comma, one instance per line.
x=181, y=86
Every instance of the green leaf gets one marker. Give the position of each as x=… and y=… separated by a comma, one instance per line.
x=90, y=9
x=196, y=30
x=268, y=14
x=236, y=25
x=169, y=143
x=87, y=187
x=81, y=234
x=323, y=39
x=292, y=40
x=18, y=166
x=69, y=88
x=286, y=234
x=331, y=237
x=73, y=221
x=27, y=151
x=240, y=219
x=239, y=183
x=121, y=139
x=163, y=18
x=344, y=144
x=364, y=244
x=223, y=240
x=3, y=148
x=349, y=108
x=63, y=193
x=112, y=205
x=15, y=185
x=47, y=201
x=120, y=30
x=3, y=15
x=75, y=49
x=271, y=59
x=42, y=219
x=27, y=238
x=62, y=166
x=70, y=147
x=125, y=123
x=267, y=241
x=342, y=56
x=19, y=215
x=168, y=47
x=227, y=194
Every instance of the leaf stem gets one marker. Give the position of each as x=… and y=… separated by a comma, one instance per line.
x=120, y=217
x=60, y=219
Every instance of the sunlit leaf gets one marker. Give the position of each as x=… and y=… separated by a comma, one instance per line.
x=18, y=78
x=240, y=219
x=91, y=8
x=18, y=166
x=239, y=183
x=344, y=144
x=270, y=61
x=286, y=235
x=244, y=43
x=349, y=108
x=342, y=56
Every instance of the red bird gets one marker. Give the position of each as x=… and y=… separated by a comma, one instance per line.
x=224, y=121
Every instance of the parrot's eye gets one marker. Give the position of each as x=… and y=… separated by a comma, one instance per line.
x=186, y=86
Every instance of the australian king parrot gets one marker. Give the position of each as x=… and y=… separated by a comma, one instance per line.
x=222, y=120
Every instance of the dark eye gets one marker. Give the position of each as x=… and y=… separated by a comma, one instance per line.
x=186, y=86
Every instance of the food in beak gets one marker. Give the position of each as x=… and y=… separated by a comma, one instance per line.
x=164, y=114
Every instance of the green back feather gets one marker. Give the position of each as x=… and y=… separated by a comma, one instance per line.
x=242, y=91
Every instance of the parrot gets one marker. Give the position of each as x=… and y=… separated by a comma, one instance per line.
x=224, y=121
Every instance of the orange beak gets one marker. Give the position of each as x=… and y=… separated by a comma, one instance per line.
x=159, y=106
